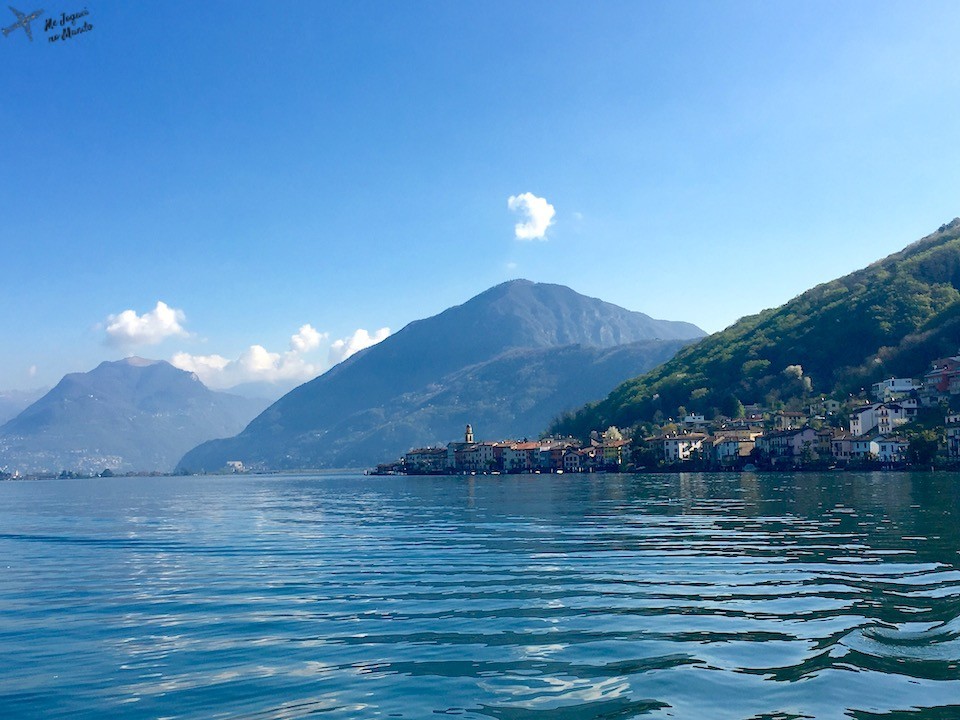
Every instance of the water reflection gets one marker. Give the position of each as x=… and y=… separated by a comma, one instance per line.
x=685, y=596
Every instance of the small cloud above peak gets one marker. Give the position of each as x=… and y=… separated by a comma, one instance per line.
x=538, y=215
x=306, y=339
x=130, y=329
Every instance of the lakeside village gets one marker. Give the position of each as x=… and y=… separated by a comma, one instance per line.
x=906, y=423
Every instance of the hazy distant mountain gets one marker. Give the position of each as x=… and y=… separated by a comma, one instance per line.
x=134, y=414
x=270, y=391
x=13, y=402
x=471, y=362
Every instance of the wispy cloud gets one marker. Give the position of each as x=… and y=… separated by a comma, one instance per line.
x=538, y=213
x=129, y=329
x=340, y=350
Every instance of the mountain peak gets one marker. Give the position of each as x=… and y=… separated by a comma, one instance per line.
x=366, y=408
x=136, y=361
x=130, y=414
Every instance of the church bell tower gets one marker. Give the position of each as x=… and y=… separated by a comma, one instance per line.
x=468, y=435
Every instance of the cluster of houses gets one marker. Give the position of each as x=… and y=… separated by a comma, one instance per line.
x=782, y=439
x=548, y=455
x=788, y=440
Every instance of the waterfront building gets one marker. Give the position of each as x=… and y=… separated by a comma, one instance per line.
x=679, y=448
x=892, y=449
x=866, y=448
x=426, y=460
x=841, y=446
x=571, y=460
x=789, y=447
x=521, y=457
x=952, y=423
x=732, y=448
x=613, y=451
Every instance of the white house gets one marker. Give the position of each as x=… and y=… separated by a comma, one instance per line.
x=892, y=449
x=894, y=388
x=864, y=447
x=882, y=417
x=678, y=448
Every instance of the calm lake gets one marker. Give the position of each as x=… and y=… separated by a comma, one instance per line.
x=608, y=596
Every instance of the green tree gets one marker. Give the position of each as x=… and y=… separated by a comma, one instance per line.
x=732, y=407
x=922, y=447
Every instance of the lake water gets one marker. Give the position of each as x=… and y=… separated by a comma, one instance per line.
x=533, y=597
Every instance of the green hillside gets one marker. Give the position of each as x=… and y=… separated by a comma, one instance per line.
x=888, y=319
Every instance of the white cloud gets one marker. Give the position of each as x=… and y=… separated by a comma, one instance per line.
x=32, y=371
x=202, y=365
x=539, y=216
x=306, y=339
x=152, y=327
x=255, y=364
x=340, y=350
x=258, y=364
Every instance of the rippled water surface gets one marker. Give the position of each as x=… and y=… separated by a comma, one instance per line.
x=617, y=596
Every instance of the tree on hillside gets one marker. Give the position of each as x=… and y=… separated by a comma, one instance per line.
x=888, y=319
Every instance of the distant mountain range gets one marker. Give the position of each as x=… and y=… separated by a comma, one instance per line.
x=890, y=319
x=507, y=361
x=14, y=402
x=131, y=415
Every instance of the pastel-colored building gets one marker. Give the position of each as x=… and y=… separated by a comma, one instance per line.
x=841, y=446
x=788, y=446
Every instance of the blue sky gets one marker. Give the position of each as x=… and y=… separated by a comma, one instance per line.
x=291, y=178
